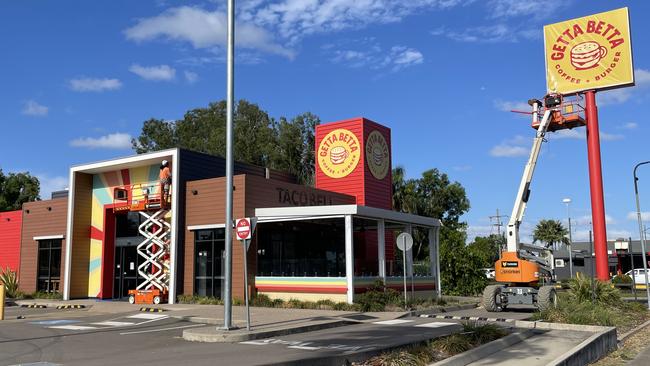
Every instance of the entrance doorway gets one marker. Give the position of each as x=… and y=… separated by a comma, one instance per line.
x=126, y=271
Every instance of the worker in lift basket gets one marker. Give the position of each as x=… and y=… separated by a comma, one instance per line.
x=165, y=181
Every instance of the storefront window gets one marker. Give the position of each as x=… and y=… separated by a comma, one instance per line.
x=296, y=249
x=127, y=224
x=208, y=262
x=49, y=265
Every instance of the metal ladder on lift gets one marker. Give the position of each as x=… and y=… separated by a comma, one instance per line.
x=154, y=248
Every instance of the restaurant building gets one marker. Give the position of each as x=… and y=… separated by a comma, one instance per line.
x=116, y=230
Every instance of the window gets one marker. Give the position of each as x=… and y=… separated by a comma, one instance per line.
x=49, y=265
x=208, y=262
x=312, y=249
x=126, y=225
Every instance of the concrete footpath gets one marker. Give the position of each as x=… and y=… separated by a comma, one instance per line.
x=642, y=359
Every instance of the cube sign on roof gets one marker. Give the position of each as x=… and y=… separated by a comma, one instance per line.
x=588, y=53
x=243, y=229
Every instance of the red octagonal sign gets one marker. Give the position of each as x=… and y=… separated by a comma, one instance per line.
x=243, y=229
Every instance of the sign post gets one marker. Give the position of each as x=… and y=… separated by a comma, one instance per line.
x=584, y=55
x=404, y=243
x=244, y=232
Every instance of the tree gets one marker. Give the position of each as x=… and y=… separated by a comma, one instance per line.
x=16, y=189
x=487, y=248
x=461, y=270
x=550, y=232
x=287, y=145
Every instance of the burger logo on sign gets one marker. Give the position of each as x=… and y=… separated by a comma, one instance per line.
x=338, y=153
x=586, y=55
x=377, y=155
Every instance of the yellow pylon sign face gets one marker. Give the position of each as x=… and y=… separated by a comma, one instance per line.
x=588, y=53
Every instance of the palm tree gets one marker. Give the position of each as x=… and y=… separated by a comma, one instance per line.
x=550, y=232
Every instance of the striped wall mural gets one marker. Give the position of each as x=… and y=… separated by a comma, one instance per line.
x=103, y=185
x=336, y=285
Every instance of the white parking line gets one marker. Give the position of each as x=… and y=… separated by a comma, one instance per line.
x=161, y=329
x=113, y=324
x=73, y=327
x=146, y=316
x=393, y=322
x=435, y=325
x=308, y=348
x=256, y=343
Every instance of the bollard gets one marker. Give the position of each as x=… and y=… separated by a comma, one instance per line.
x=2, y=302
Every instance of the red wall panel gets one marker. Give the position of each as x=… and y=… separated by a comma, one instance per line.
x=10, y=227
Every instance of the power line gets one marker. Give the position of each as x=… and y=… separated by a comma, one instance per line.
x=498, y=222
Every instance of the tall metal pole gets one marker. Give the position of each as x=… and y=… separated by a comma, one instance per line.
x=641, y=237
x=568, y=214
x=230, y=92
x=629, y=251
x=596, y=186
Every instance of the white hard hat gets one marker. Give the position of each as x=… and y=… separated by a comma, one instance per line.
x=164, y=162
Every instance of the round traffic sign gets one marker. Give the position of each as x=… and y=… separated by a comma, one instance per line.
x=243, y=229
x=404, y=241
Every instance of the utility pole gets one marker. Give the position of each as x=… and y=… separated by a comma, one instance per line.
x=498, y=225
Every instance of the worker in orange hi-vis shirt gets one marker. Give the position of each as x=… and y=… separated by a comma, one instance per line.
x=165, y=181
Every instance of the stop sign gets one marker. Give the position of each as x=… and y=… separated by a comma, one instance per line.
x=243, y=228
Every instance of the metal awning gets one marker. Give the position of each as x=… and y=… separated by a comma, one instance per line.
x=274, y=214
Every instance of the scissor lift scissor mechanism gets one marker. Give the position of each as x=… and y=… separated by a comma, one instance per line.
x=149, y=202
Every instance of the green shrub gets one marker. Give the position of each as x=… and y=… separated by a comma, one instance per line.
x=453, y=344
x=200, y=300
x=261, y=301
x=377, y=297
x=482, y=333
x=622, y=278
x=278, y=303
x=10, y=280
x=584, y=289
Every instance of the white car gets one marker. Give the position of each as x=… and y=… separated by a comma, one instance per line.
x=639, y=275
x=489, y=273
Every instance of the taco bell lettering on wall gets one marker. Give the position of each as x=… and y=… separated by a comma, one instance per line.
x=589, y=53
x=354, y=157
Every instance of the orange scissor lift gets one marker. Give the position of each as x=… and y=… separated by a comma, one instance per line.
x=148, y=200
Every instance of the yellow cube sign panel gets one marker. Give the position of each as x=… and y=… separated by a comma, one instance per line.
x=592, y=52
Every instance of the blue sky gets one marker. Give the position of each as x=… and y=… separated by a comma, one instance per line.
x=78, y=78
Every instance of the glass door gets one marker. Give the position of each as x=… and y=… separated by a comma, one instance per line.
x=126, y=271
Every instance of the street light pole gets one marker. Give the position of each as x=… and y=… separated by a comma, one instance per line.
x=567, y=201
x=641, y=236
x=230, y=92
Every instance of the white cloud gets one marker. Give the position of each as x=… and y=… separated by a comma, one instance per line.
x=32, y=108
x=645, y=216
x=522, y=8
x=585, y=220
x=489, y=34
x=294, y=19
x=94, y=85
x=605, y=136
x=370, y=54
x=629, y=126
x=50, y=184
x=154, y=73
x=111, y=141
x=191, y=77
x=568, y=134
x=203, y=29
x=507, y=105
x=511, y=148
x=618, y=96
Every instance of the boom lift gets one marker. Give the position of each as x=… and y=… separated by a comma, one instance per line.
x=524, y=272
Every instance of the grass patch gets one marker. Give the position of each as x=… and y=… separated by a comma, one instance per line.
x=472, y=336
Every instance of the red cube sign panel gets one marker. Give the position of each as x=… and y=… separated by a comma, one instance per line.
x=354, y=157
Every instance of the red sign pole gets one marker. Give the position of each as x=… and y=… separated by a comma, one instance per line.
x=596, y=187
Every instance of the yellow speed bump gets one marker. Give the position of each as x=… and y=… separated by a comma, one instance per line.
x=71, y=306
x=153, y=310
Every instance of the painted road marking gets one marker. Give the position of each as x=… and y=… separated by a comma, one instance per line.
x=73, y=327
x=147, y=316
x=113, y=324
x=393, y=322
x=56, y=322
x=435, y=325
x=310, y=346
x=161, y=329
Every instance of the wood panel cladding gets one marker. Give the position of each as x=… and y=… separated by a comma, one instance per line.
x=40, y=218
x=80, y=241
x=205, y=205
